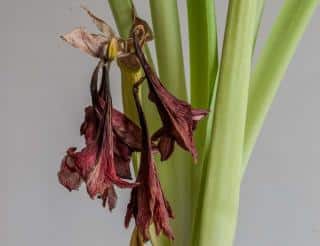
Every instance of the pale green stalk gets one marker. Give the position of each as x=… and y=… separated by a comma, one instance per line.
x=216, y=218
x=203, y=50
x=272, y=65
x=175, y=173
x=122, y=12
x=203, y=70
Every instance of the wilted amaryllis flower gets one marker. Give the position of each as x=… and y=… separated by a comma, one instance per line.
x=110, y=140
x=179, y=119
x=148, y=204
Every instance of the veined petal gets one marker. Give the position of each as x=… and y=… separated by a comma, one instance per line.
x=177, y=116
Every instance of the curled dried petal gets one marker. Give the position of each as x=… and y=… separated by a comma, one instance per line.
x=89, y=43
x=100, y=24
x=147, y=203
x=68, y=175
x=177, y=116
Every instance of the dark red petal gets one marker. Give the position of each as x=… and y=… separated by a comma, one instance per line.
x=96, y=182
x=127, y=130
x=68, y=175
x=85, y=160
x=109, y=196
x=176, y=115
x=123, y=167
x=166, y=147
x=148, y=204
x=90, y=125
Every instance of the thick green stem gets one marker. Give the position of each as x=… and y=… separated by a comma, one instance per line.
x=203, y=50
x=175, y=173
x=203, y=70
x=217, y=212
x=122, y=12
x=165, y=20
x=272, y=65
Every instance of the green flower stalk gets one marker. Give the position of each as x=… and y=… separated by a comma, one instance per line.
x=216, y=215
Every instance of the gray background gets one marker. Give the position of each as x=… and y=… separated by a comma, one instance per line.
x=44, y=87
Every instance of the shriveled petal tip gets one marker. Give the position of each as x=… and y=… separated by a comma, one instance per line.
x=166, y=147
x=142, y=25
x=165, y=143
x=109, y=197
x=68, y=175
x=89, y=43
x=198, y=114
x=100, y=24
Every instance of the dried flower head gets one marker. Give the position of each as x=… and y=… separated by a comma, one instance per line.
x=178, y=118
x=148, y=203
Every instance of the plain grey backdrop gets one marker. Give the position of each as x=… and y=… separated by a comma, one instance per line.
x=44, y=87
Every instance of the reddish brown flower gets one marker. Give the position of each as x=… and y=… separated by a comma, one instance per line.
x=105, y=158
x=148, y=204
x=126, y=137
x=178, y=118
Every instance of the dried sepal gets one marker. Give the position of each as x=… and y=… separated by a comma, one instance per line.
x=89, y=43
x=100, y=24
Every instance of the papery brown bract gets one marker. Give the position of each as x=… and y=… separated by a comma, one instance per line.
x=100, y=24
x=147, y=203
x=92, y=44
x=178, y=118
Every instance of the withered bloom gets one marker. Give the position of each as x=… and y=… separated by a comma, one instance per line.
x=178, y=118
x=148, y=204
x=106, y=157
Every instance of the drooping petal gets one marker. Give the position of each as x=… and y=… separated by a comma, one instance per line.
x=145, y=31
x=105, y=154
x=177, y=116
x=68, y=175
x=89, y=43
x=147, y=203
x=90, y=125
x=122, y=156
x=126, y=130
x=126, y=138
x=109, y=197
